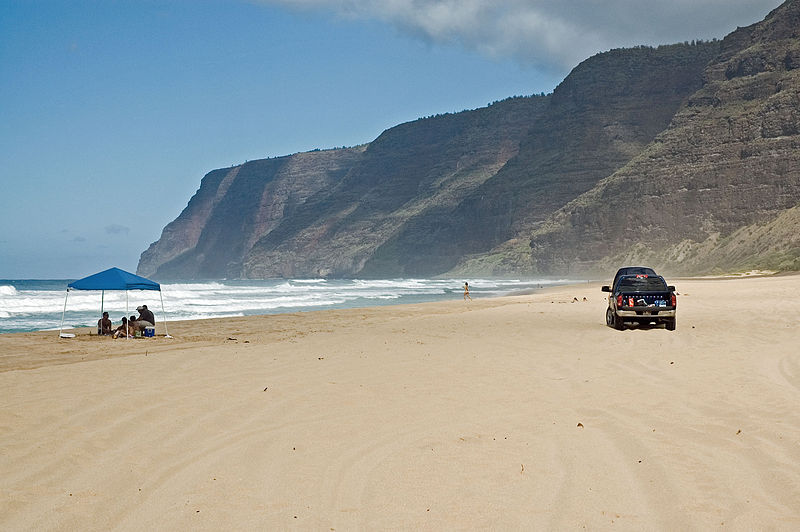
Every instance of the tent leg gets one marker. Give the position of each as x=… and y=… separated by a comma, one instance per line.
x=127, y=321
x=164, y=313
x=61, y=329
x=102, y=306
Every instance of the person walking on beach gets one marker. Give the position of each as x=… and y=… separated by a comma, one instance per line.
x=466, y=291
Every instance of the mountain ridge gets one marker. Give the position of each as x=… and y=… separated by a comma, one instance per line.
x=673, y=156
x=728, y=160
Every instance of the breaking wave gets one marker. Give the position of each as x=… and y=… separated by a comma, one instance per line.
x=37, y=305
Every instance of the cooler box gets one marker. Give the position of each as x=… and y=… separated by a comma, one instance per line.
x=149, y=332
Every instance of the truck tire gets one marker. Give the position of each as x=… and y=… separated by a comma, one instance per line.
x=670, y=324
x=612, y=320
x=609, y=317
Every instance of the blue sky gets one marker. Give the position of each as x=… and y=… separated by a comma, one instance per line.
x=112, y=111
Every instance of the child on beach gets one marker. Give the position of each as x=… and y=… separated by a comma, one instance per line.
x=122, y=330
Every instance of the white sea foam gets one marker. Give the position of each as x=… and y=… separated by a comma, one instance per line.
x=7, y=290
x=32, y=305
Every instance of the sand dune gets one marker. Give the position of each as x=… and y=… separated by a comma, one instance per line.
x=522, y=412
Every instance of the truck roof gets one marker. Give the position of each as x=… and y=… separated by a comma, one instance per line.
x=632, y=270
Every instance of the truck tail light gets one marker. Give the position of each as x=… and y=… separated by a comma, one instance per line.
x=619, y=301
x=673, y=299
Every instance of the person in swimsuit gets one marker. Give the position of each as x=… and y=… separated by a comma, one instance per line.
x=104, y=325
x=466, y=291
x=122, y=330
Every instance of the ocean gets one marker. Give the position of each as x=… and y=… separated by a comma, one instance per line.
x=30, y=305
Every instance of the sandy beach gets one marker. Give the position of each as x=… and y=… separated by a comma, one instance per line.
x=513, y=413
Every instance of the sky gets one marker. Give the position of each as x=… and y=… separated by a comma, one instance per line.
x=112, y=111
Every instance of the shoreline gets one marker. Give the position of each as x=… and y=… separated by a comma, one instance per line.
x=188, y=333
x=522, y=411
x=87, y=345
x=37, y=305
x=452, y=293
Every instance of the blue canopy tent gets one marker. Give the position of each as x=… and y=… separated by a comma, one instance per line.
x=113, y=279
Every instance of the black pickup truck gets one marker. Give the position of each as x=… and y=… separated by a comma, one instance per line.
x=641, y=298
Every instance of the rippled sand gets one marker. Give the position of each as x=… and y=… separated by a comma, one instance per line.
x=515, y=413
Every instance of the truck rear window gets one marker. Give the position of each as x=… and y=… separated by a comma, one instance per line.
x=643, y=284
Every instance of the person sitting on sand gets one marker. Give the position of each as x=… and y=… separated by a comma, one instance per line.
x=145, y=319
x=104, y=324
x=146, y=315
x=132, y=328
x=122, y=330
x=466, y=291
x=134, y=325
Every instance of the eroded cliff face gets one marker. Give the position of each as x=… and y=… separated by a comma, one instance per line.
x=183, y=233
x=603, y=114
x=424, y=194
x=237, y=206
x=324, y=213
x=410, y=172
x=728, y=160
x=670, y=156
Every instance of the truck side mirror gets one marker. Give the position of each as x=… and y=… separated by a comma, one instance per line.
x=671, y=288
x=605, y=288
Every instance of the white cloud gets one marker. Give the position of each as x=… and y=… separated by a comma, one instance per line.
x=550, y=33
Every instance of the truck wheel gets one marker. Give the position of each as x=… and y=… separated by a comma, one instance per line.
x=612, y=320
x=670, y=324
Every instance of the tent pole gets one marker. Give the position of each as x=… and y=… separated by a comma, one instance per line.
x=127, y=319
x=61, y=329
x=102, y=306
x=164, y=313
